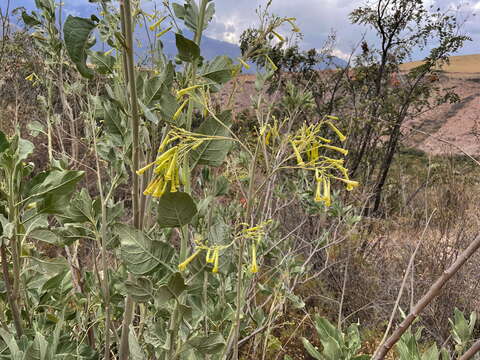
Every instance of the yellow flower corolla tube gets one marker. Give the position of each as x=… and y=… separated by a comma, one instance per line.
x=244, y=64
x=254, y=266
x=272, y=64
x=326, y=192
x=154, y=26
x=318, y=191
x=297, y=154
x=341, y=137
x=351, y=184
x=182, y=92
x=340, y=150
x=182, y=266
x=163, y=32
x=209, y=257
x=279, y=37
x=215, y=261
x=179, y=110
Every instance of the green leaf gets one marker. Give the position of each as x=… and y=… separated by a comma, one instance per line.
x=76, y=33
x=213, y=152
x=141, y=289
x=189, y=13
x=167, y=106
x=218, y=70
x=47, y=236
x=35, y=128
x=187, y=49
x=58, y=182
x=104, y=64
x=311, y=349
x=30, y=20
x=140, y=254
x=174, y=287
x=207, y=345
x=4, y=144
x=136, y=352
x=81, y=209
x=149, y=114
x=175, y=209
x=9, y=339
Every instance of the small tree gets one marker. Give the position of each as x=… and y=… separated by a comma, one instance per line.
x=390, y=96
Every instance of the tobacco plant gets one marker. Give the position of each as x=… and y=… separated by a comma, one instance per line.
x=177, y=263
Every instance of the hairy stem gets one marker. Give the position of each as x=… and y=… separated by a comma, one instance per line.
x=125, y=8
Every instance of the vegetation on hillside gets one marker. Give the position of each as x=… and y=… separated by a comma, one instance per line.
x=143, y=217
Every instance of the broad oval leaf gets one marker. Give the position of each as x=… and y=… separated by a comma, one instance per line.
x=4, y=144
x=140, y=254
x=213, y=152
x=187, y=49
x=175, y=209
x=76, y=33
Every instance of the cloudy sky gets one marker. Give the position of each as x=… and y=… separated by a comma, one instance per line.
x=316, y=19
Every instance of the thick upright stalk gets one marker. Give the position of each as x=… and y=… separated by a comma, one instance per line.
x=103, y=239
x=125, y=7
x=241, y=248
x=8, y=287
x=431, y=294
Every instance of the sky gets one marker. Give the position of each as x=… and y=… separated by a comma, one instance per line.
x=315, y=18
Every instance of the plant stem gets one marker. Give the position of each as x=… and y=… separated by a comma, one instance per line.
x=103, y=239
x=472, y=351
x=241, y=249
x=8, y=287
x=125, y=8
x=431, y=294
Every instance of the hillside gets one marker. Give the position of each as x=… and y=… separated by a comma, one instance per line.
x=465, y=64
x=457, y=123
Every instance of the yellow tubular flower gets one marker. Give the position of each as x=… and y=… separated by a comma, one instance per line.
x=341, y=137
x=172, y=167
x=254, y=266
x=182, y=92
x=340, y=150
x=351, y=184
x=161, y=33
x=209, y=257
x=215, y=261
x=152, y=186
x=154, y=26
x=326, y=192
x=184, y=264
x=272, y=64
x=318, y=192
x=244, y=64
x=314, y=153
x=328, y=141
x=145, y=168
x=161, y=188
x=280, y=37
x=267, y=138
x=297, y=154
x=179, y=111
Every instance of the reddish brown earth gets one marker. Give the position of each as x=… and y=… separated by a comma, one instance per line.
x=450, y=128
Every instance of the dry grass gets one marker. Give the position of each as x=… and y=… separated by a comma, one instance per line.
x=465, y=64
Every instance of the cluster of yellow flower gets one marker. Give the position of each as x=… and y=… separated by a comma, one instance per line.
x=168, y=165
x=255, y=234
x=306, y=143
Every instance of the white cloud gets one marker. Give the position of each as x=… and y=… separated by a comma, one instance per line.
x=340, y=54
